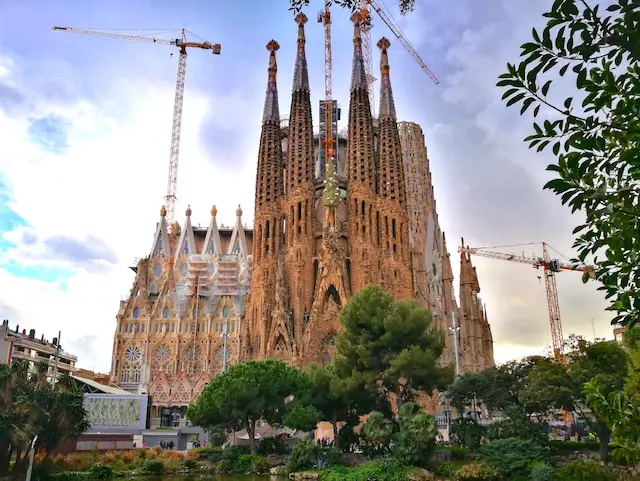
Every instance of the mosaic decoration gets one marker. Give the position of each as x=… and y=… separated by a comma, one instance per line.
x=113, y=412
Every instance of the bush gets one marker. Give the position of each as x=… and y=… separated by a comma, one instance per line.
x=558, y=446
x=383, y=469
x=581, y=470
x=152, y=466
x=448, y=469
x=260, y=466
x=541, y=471
x=302, y=455
x=327, y=457
x=468, y=431
x=457, y=452
x=100, y=471
x=477, y=472
x=518, y=425
x=511, y=456
x=272, y=446
x=190, y=464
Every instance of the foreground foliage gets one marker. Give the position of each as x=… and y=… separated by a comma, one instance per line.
x=405, y=6
x=29, y=407
x=250, y=391
x=596, y=138
x=389, y=347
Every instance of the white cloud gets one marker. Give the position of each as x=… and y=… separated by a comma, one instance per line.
x=109, y=185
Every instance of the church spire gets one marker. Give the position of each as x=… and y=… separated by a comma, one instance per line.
x=358, y=73
x=300, y=162
x=271, y=109
x=387, y=105
x=360, y=147
x=161, y=239
x=391, y=169
x=301, y=73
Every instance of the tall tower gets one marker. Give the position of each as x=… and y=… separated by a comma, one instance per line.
x=394, y=235
x=363, y=217
x=298, y=208
x=268, y=222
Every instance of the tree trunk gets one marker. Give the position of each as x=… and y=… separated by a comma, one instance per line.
x=605, y=436
x=334, y=422
x=398, y=398
x=251, y=430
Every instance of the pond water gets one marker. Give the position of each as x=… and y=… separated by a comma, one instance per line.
x=217, y=477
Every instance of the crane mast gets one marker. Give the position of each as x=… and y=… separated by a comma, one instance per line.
x=329, y=142
x=182, y=44
x=550, y=268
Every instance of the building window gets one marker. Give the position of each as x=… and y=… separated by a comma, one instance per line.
x=165, y=312
x=158, y=270
x=136, y=312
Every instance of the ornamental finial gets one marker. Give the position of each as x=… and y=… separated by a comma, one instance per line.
x=163, y=211
x=214, y=211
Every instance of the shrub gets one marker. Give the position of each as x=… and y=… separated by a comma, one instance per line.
x=581, y=470
x=100, y=471
x=477, y=472
x=457, y=452
x=511, y=456
x=302, y=455
x=518, y=425
x=415, y=439
x=272, y=446
x=260, y=465
x=446, y=468
x=541, y=471
x=558, y=446
x=468, y=432
x=152, y=466
x=190, y=464
x=383, y=469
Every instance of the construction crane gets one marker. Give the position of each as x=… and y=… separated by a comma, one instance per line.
x=383, y=12
x=365, y=32
x=182, y=44
x=324, y=17
x=550, y=268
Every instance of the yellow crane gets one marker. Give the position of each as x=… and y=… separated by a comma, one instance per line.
x=182, y=44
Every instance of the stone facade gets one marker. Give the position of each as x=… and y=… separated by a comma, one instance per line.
x=329, y=231
x=187, y=293
x=431, y=265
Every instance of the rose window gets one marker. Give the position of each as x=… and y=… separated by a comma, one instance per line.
x=162, y=354
x=221, y=355
x=193, y=353
x=132, y=354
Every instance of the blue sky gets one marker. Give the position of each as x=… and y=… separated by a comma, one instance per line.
x=86, y=124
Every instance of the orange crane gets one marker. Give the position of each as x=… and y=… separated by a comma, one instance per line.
x=324, y=17
x=550, y=268
x=383, y=12
x=182, y=44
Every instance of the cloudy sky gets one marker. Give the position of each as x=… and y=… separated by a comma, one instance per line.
x=84, y=141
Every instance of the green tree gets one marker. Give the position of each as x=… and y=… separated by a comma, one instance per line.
x=497, y=388
x=29, y=407
x=390, y=345
x=336, y=398
x=415, y=438
x=596, y=139
x=377, y=432
x=247, y=392
x=406, y=6
x=552, y=386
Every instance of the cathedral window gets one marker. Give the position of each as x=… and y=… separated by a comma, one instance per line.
x=136, y=374
x=158, y=270
x=165, y=312
x=136, y=312
x=225, y=312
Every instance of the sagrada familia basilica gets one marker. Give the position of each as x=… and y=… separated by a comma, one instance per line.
x=323, y=230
